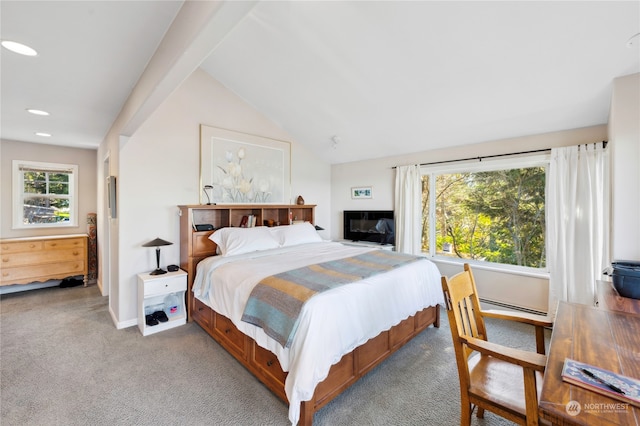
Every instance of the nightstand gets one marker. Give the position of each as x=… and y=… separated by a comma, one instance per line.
x=153, y=291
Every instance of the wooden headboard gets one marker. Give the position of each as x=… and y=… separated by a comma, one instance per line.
x=196, y=245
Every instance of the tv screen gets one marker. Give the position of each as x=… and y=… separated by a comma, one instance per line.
x=376, y=226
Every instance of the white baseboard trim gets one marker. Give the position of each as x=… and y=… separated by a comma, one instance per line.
x=122, y=324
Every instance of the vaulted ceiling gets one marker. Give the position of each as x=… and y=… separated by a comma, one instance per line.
x=351, y=80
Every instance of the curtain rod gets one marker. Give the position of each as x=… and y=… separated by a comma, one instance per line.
x=480, y=158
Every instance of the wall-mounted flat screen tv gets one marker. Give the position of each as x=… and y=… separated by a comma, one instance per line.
x=376, y=226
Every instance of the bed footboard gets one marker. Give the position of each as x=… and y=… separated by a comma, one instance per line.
x=265, y=366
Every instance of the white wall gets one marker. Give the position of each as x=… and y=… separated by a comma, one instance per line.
x=159, y=170
x=84, y=158
x=527, y=291
x=624, y=135
x=195, y=31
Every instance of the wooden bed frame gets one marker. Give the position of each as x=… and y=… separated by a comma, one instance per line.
x=265, y=366
x=196, y=246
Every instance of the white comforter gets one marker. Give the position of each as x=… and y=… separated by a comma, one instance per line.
x=332, y=323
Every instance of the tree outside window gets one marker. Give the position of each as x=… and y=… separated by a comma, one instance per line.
x=494, y=216
x=45, y=194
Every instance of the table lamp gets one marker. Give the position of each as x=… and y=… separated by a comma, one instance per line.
x=157, y=243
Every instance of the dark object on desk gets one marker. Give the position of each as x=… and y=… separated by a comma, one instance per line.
x=604, y=382
x=172, y=268
x=204, y=227
x=626, y=278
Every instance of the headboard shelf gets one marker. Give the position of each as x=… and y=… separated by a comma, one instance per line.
x=196, y=245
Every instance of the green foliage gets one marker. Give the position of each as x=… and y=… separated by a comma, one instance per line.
x=496, y=216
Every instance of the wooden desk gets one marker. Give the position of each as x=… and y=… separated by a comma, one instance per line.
x=607, y=339
x=608, y=298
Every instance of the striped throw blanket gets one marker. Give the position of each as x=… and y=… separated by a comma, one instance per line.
x=276, y=301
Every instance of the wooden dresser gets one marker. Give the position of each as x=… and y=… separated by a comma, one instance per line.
x=30, y=259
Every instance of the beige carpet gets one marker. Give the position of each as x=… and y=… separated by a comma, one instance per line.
x=62, y=362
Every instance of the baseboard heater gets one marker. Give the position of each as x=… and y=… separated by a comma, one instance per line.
x=515, y=308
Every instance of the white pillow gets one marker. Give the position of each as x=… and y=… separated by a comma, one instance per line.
x=232, y=241
x=291, y=235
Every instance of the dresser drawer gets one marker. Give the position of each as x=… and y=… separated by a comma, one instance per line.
x=65, y=243
x=19, y=247
x=26, y=274
x=165, y=285
x=233, y=338
x=268, y=363
x=201, y=314
x=38, y=257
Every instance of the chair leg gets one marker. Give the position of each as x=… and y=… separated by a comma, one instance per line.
x=480, y=413
x=465, y=414
x=540, y=340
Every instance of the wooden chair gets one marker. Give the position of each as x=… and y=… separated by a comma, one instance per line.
x=497, y=378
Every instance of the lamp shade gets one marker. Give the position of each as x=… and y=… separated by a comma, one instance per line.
x=156, y=243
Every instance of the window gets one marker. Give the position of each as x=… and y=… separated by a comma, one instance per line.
x=492, y=211
x=44, y=194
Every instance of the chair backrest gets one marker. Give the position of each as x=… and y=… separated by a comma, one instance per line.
x=463, y=310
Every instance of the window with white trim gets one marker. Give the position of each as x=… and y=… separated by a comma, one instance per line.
x=44, y=194
x=488, y=211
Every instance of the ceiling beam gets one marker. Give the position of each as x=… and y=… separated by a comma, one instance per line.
x=196, y=31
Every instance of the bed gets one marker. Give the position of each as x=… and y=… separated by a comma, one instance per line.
x=339, y=334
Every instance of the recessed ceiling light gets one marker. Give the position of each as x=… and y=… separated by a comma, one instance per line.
x=37, y=111
x=44, y=135
x=18, y=48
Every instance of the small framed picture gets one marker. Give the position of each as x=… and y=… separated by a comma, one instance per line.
x=361, y=192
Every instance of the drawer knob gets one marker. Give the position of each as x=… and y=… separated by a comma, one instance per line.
x=269, y=363
x=227, y=331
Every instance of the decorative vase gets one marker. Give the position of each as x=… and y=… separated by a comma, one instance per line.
x=92, y=250
x=300, y=200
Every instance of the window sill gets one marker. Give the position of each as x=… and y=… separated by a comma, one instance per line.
x=493, y=267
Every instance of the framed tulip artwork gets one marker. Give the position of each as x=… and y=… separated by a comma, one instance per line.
x=239, y=168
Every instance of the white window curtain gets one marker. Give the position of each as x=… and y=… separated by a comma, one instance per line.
x=408, y=209
x=578, y=223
